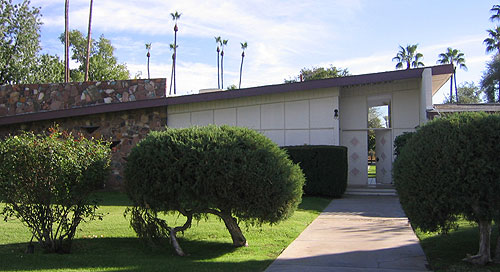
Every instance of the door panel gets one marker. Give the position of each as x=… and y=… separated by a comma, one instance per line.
x=383, y=152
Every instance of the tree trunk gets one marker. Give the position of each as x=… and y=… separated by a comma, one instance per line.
x=173, y=232
x=241, y=69
x=89, y=39
x=233, y=228
x=148, y=67
x=172, y=75
x=175, y=55
x=66, y=41
x=456, y=90
x=497, y=250
x=218, y=70
x=484, y=254
x=451, y=89
x=222, y=69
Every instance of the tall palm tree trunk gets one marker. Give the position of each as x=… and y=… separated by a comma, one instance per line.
x=148, y=64
x=222, y=69
x=455, y=80
x=218, y=70
x=241, y=68
x=451, y=89
x=88, y=42
x=175, y=55
x=172, y=74
x=66, y=41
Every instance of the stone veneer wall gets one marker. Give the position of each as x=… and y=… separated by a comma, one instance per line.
x=30, y=98
x=124, y=128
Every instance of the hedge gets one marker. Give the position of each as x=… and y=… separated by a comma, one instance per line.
x=324, y=166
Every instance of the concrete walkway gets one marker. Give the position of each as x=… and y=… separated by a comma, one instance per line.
x=354, y=234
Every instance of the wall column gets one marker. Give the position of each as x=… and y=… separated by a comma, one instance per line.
x=425, y=94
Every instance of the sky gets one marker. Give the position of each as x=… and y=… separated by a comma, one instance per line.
x=283, y=36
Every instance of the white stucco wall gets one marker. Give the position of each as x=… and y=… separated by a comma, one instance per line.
x=295, y=118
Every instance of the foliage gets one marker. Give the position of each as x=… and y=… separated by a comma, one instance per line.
x=493, y=41
x=325, y=168
x=401, y=141
x=111, y=245
x=450, y=168
x=226, y=171
x=45, y=182
x=103, y=64
x=408, y=56
x=232, y=87
x=455, y=57
x=19, y=41
x=48, y=69
x=319, y=73
x=490, y=83
x=468, y=93
x=374, y=121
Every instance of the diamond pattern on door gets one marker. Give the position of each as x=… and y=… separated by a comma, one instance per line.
x=383, y=156
x=355, y=171
x=354, y=156
x=354, y=141
x=383, y=141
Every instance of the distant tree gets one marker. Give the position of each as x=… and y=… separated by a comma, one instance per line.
x=490, y=80
x=319, y=73
x=88, y=42
x=148, y=47
x=244, y=46
x=218, y=41
x=48, y=69
x=455, y=57
x=19, y=41
x=408, y=56
x=175, y=17
x=103, y=63
x=468, y=93
x=374, y=121
x=232, y=87
x=222, y=45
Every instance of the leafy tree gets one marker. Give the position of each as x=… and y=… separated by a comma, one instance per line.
x=493, y=41
x=48, y=69
x=468, y=93
x=449, y=169
x=373, y=122
x=46, y=181
x=408, y=56
x=232, y=87
x=315, y=73
x=234, y=173
x=19, y=41
x=103, y=64
x=490, y=80
x=244, y=46
x=148, y=55
x=495, y=9
x=175, y=17
x=455, y=57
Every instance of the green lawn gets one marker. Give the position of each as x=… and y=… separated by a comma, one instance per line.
x=445, y=252
x=372, y=171
x=111, y=245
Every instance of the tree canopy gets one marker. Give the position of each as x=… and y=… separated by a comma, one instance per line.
x=19, y=41
x=408, y=56
x=103, y=63
x=490, y=80
x=468, y=93
x=319, y=73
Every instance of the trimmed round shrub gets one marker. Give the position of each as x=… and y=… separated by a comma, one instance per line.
x=45, y=181
x=449, y=169
x=235, y=173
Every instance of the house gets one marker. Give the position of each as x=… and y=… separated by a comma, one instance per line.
x=320, y=112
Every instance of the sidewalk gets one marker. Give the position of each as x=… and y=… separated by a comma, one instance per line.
x=354, y=234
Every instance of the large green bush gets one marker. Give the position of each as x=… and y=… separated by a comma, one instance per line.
x=45, y=182
x=325, y=168
x=234, y=173
x=450, y=168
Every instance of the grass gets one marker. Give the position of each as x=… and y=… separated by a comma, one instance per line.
x=372, y=171
x=446, y=251
x=111, y=245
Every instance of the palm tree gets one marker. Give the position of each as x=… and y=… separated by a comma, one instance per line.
x=88, y=42
x=66, y=41
x=148, y=47
x=408, y=56
x=493, y=42
x=455, y=57
x=222, y=45
x=496, y=10
x=244, y=46
x=218, y=41
x=172, y=76
x=175, y=17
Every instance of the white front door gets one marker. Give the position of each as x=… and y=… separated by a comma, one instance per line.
x=383, y=153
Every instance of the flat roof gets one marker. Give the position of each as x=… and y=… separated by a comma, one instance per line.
x=441, y=72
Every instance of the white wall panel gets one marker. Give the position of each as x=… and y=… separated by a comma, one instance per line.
x=322, y=112
x=179, y=120
x=277, y=136
x=296, y=137
x=248, y=117
x=405, y=109
x=202, y=118
x=272, y=116
x=322, y=137
x=225, y=117
x=297, y=114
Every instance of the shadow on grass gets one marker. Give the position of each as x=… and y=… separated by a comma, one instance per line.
x=129, y=254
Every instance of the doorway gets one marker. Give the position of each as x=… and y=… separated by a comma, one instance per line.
x=379, y=140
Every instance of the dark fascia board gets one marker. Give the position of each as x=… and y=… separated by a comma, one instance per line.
x=89, y=110
x=309, y=85
x=221, y=95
